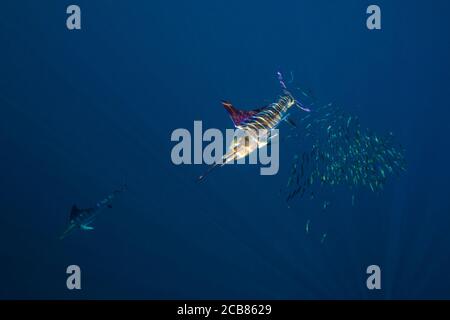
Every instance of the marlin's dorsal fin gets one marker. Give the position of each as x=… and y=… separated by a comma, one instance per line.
x=238, y=116
x=74, y=212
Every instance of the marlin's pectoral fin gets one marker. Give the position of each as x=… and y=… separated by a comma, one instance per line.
x=290, y=121
x=86, y=228
x=267, y=142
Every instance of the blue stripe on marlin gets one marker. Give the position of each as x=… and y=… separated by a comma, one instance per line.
x=83, y=218
x=256, y=124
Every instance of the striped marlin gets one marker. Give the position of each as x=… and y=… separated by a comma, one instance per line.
x=256, y=125
x=83, y=218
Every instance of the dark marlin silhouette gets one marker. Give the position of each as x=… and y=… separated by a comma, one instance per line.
x=81, y=219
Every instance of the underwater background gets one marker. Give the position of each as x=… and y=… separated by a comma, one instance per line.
x=83, y=112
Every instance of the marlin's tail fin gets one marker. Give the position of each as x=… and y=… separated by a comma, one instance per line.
x=123, y=188
x=301, y=106
x=286, y=92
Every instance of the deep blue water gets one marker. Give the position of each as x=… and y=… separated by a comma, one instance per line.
x=83, y=111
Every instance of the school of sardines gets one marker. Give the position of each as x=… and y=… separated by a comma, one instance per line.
x=341, y=153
